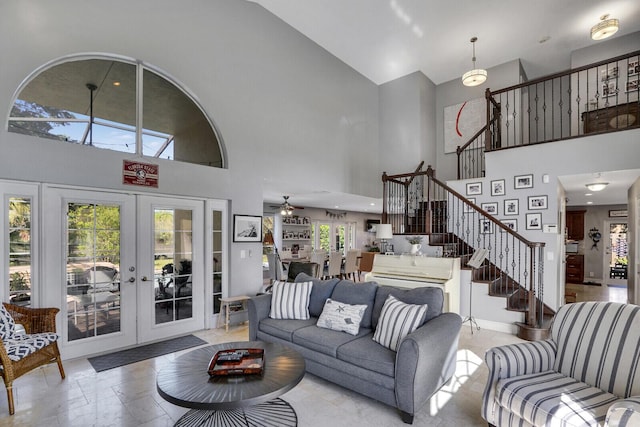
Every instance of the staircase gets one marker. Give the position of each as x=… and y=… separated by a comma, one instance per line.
x=418, y=203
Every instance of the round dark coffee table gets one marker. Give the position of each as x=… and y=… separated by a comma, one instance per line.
x=236, y=400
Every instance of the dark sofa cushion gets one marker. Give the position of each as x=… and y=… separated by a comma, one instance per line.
x=433, y=297
x=357, y=293
x=368, y=354
x=325, y=341
x=321, y=290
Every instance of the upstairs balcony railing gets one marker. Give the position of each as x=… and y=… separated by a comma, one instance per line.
x=596, y=98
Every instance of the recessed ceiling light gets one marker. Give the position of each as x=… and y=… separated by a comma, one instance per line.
x=372, y=204
x=588, y=194
x=116, y=83
x=589, y=203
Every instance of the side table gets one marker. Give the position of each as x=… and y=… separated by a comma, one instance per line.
x=225, y=311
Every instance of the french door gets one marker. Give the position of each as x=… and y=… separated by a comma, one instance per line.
x=131, y=267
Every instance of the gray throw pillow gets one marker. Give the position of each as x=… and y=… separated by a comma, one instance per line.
x=322, y=289
x=357, y=293
x=431, y=296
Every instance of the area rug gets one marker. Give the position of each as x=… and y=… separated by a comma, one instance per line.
x=591, y=283
x=136, y=354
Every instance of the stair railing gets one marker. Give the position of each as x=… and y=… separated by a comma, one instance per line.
x=514, y=265
x=597, y=98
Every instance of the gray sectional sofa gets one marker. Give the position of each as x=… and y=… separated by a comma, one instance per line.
x=405, y=379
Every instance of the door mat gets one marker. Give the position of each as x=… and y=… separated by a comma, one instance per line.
x=136, y=354
x=611, y=285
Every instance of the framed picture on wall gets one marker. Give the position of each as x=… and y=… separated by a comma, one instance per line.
x=534, y=221
x=497, y=187
x=491, y=208
x=247, y=228
x=523, y=181
x=537, y=202
x=511, y=206
x=474, y=188
x=633, y=68
x=486, y=226
x=467, y=208
x=511, y=223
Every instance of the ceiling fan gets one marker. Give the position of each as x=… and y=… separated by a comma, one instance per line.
x=286, y=208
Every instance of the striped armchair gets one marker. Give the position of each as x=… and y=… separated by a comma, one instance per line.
x=586, y=374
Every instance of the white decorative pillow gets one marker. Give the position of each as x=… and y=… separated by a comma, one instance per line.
x=290, y=300
x=7, y=324
x=339, y=316
x=397, y=320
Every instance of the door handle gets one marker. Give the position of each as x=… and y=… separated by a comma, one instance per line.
x=132, y=279
x=144, y=278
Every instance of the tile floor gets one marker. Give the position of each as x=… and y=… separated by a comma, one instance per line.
x=127, y=396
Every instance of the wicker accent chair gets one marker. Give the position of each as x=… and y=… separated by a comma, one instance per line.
x=22, y=352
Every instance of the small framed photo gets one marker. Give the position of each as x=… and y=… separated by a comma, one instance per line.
x=511, y=223
x=247, y=228
x=537, y=202
x=610, y=72
x=474, y=188
x=523, y=181
x=497, y=187
x=491, y=208
x=486, y=226
x=609, y=88
x=534, y=221
x=512, y=206
x=467, y=208
x=633, y=68
x=632, y=85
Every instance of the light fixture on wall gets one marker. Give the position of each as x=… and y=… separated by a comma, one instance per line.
x=597, y=186
x=476, y=76
x=605, y=28
x=384, y=232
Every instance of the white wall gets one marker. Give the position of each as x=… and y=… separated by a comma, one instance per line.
x=285, y=108
x=407, y=123
x=633, y=282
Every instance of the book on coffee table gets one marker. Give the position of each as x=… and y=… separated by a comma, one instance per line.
x=241, y=361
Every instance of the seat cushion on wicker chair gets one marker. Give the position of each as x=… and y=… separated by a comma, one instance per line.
x=7, y=324
x=21, y=346
x=550, y=398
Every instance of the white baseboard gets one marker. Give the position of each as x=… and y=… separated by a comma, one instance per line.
x=507, y=328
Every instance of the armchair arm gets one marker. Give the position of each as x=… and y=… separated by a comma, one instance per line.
x=259, y=308
x=624, y=413
x=425, y=361
x=511, y=361
x=34, y=320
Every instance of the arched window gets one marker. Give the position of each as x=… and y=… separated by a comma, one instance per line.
x=117, y=105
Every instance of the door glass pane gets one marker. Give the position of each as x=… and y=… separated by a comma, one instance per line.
x=173, y=250
x=93, y=270
x=217, y=260
x=20, y=251
x=339, y=239
x=619, y=251
x=324, y=237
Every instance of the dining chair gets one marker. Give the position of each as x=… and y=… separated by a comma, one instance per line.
x=297, y=267
x=366, y=262
x=350, y=264
x=319, y=258
x=334, y=268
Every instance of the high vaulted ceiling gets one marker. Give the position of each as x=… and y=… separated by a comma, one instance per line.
x=385, y=40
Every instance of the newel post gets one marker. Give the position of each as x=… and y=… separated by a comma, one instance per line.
x=384, y=198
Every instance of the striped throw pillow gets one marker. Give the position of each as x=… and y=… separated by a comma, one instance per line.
x=290, y=300
x=397, y=320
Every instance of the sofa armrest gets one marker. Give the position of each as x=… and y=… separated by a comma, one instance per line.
x=259, y=308
x=624, y=413
x=511, y=361
x=425, y=361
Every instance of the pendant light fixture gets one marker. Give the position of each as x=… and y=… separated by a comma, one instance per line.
x=476, y=76
x=605, y=28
